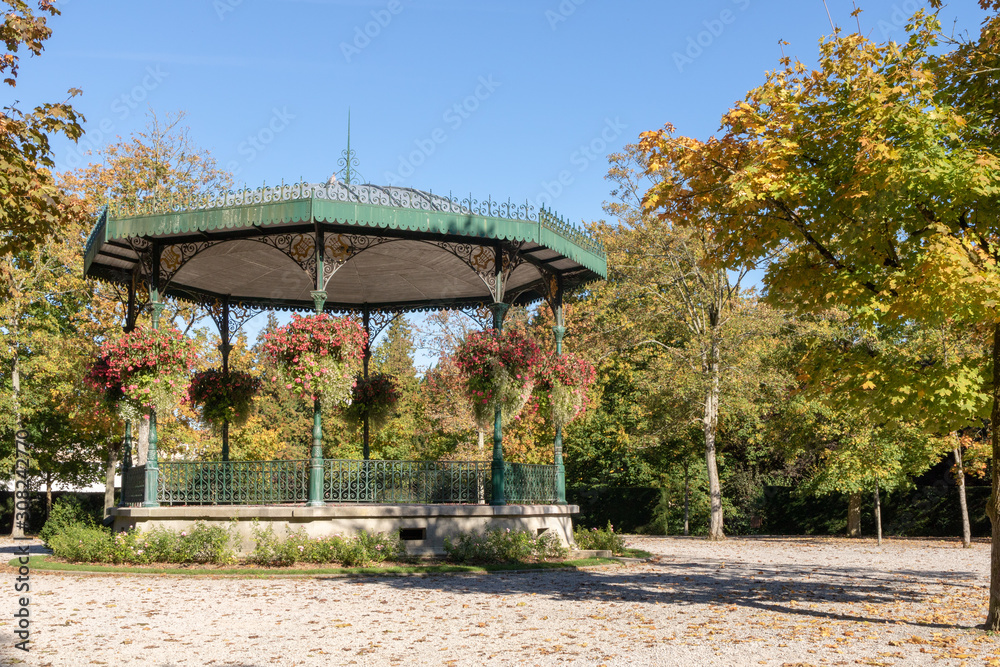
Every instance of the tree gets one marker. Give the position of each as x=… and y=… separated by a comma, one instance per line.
x=878, y=185
x=46, y=347
x=443, y=388
x=700, y=318
x=399, y=438
x=280, y=420
x=154, y=165
x=32, y=204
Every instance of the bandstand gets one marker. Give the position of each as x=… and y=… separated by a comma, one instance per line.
x=373, y=252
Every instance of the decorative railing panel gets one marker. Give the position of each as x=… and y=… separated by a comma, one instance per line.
x=233, y=482
x=526, y=484
x=344, y=481
x=133, y=486
x=402, y=482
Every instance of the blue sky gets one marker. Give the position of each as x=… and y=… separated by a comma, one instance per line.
x=517, y=98
x=485, y=97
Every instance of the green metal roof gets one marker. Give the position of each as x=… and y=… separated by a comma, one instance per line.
x=400, y=230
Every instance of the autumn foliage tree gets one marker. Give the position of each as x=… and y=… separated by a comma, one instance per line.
x=876, y=177
x=702, y=320
x=32, y=203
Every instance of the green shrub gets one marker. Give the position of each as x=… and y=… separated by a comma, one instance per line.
x=380, y=547
x=92, y=544
x=503, y=545
x=549, y=547
x=81, y=543
x=270, y=551
x=163, y=544
x=205, y=543
x=363, y=549
x=66, y=511
x=603, y=539
x=128, y=547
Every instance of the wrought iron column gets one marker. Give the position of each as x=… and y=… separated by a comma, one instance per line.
x=224, y=348
x=152, y=467
x=316, y=459
x=559, y=330
x=130, y=317
x=126, y=459
x=366, y=318
x=499, y=498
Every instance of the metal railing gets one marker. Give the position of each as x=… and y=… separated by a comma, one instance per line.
x=400, y=482
x=233, y=482
x=344, y=481
x=527, y=484
x=133, y=486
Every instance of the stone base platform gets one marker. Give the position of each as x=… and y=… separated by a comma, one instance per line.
x=422, y=527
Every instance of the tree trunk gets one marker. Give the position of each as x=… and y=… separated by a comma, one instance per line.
x=480, y=439
x=854, y=515
x=960, y=480
x=878, y=517
x=142, y=441
x=711, y=423
x=109, y=480
x=16, y=529
x=687, y=496
x=993, y=505
x=48, y=496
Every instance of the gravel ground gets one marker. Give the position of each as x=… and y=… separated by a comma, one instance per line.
x=746, y=601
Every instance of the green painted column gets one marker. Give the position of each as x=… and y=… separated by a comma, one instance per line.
x=152, y=464
x=559, y=332
x=152, y=467
x=316, y=461
x=366, y=321
x=316, y=458
x=225, y=348
x=496, y=467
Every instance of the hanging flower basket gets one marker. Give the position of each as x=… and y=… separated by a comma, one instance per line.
x=318, y=357
x=374, y=397
x=566, y=379
x=105, y=381
x=223, y=398
x=499, y=371
x=144, y=369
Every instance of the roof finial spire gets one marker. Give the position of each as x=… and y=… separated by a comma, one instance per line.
x=349, y=159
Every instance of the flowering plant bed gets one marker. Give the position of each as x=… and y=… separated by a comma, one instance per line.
x=145, y=368
x=566, y=379
x=499, y=371
x=223, y=397
x=318, y=356
x=373, y=397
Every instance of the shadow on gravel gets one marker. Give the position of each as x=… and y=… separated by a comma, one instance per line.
x=765, y=588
